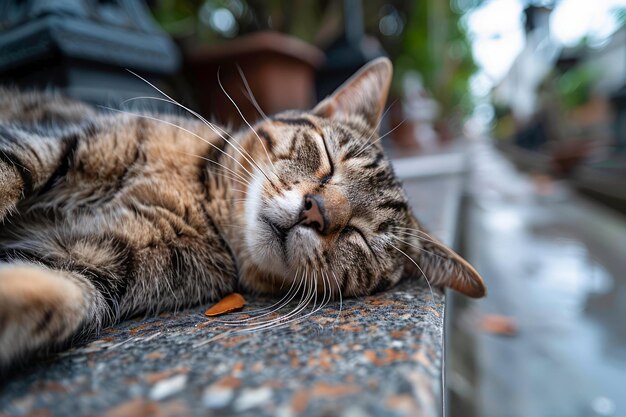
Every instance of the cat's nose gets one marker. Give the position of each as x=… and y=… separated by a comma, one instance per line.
x=327, y=211
x=314, y=214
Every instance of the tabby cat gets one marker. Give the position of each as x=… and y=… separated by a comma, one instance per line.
x=105, y=215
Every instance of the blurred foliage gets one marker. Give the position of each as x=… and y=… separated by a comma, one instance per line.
x=437, y=45
x=211, y=21
x=425, y=36
x=574, y=86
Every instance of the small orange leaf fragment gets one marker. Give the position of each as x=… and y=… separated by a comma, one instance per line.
x=232, y=302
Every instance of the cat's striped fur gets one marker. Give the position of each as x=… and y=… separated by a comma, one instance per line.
x=105, y=215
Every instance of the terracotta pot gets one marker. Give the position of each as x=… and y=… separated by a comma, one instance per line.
x=280, y=71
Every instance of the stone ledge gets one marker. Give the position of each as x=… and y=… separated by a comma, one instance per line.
x=380, y=356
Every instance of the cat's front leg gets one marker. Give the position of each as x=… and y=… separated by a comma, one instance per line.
x=42, y=308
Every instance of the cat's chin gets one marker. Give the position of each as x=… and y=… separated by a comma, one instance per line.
x=268, y=247
x=280, y=252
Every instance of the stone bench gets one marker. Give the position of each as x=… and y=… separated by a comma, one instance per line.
x=380, y=355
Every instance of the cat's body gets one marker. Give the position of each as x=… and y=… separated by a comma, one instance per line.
x=106, y=215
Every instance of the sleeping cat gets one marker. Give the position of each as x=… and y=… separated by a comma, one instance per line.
x=105, y=215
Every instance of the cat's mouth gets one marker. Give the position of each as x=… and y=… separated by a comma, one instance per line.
x=280, y=232
x=276, y=248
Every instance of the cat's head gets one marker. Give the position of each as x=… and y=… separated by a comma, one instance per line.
x=324, y=205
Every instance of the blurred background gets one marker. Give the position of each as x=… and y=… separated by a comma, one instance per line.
x=524, y=100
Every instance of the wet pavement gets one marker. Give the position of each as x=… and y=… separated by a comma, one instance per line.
x=555, y=266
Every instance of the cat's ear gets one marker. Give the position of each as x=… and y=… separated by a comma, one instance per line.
x=364, y=94
x=442, y=266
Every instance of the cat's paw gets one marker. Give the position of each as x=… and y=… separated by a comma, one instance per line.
x=39, y=308
x=10, y=189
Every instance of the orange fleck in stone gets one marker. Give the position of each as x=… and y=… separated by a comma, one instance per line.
x=403, y=403
x=139, y=328
x=154, y=377
x=229, y=382
x=228, y=304
x=324, y=389
x=233, y=341
x=299, y=402
x=351, y=327
x=387, y=357
x=174, y=408
x=257, y=367
x=136, y=408
x=370, y=355
x=238, y=367
x=435, y=312
x=422, y=359
x=273, y=383
x=155, y=355
x=397, y=334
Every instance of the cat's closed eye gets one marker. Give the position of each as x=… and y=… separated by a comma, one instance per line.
x=348, y=230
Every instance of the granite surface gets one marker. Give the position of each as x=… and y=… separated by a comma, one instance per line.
x=376, y=356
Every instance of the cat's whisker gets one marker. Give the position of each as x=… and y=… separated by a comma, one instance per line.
x=218, y=131
x=172, y=101
x=226, y=175
x=234, y=225
x=340, y=297
x=272, y=309
x=422, y=236
x=302, y=304
x=178, y=127
x=367, y=141
x=410, y=229
x=327, y=289
x=411, y=233
x=381, y=138
x=432, y=295
x=250, y=95
x=294, y=316
x=234, y=179
x=296, y=291
x=244, y=192
x=417, y=247
x=218, y=164
x=314, y=286
x=314, y=310
x=324, y=292
x=249, y=158
x=219, y=81
x=327, y=296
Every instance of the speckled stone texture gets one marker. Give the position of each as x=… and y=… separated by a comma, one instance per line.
x=379, y=356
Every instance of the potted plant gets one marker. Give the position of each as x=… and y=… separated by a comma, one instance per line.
x=257, y=49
